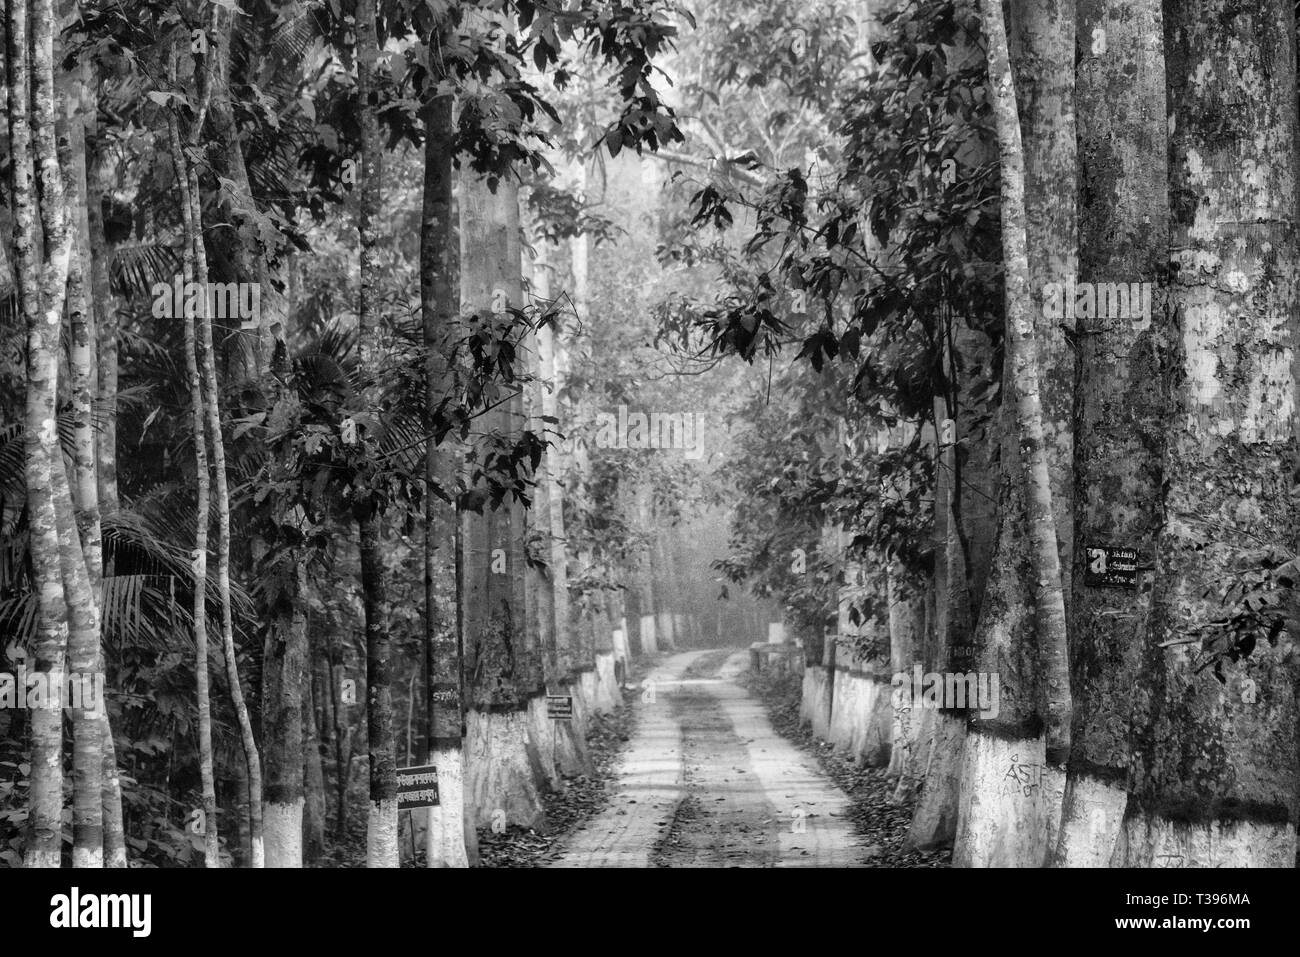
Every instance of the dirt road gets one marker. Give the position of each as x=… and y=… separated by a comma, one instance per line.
x=706, y=782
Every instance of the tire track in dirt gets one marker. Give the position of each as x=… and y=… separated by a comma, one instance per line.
x=646, y=791
x=707, y=782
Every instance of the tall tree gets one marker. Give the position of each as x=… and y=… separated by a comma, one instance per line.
x=221, y=483
x=381, y=828
x=93, y=369
x=1119, y=402
x=1214, y=777
x=32, y=149
x=439, y=305
x=965, y=528
x=502, y=766
x=203, y=488
x=77, y=494
x=1021, y=632
x=548, y=589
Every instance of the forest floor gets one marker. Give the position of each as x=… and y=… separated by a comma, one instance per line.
x=706, y=781
x=879, y=822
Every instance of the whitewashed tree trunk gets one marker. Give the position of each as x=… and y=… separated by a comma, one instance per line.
x=1013, y=764
x=502, y=765
x=446, y=838
x=548, y=585
x=1119, y=403
x=1214, y=777
x=381, y=827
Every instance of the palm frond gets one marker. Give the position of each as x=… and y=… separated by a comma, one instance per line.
x=136, y=268
x=295, y=32
x=9, y=317
x=13, y=479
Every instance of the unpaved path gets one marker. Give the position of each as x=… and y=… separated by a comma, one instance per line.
x=706, y=782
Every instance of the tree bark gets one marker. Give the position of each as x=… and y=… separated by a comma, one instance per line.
x=84, y=660
x=77, y=498
x=106, y=329
x=1214, y=775
x=43, y=320
x=439, y=303
x=1012, y=773
x=548, y=579
x=241, y=240
x=381, y=829
x=643, y=572
x=906, y=633
x=503, y=666
x=342, y=728
x=105, y=438
x=1119, y=404
x=313, y=822
x=222, y=490
x=283, y=686
x=212, y=847
x=103, y=355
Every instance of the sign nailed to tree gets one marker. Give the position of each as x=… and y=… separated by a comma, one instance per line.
x=559, y=707
x=417, y=787
x=1111, y=567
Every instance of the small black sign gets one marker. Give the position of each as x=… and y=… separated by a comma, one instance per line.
x=1111, y=567
x=417, y=787
x=559, y=707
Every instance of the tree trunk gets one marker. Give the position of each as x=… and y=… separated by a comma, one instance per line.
x=342, y=747
x=439, y=303
x=250, y=262
x=1231, y=449
x=666, y=586
x=643, y=572
x=313, y=820
x=284, y=667
x=906, y=630
x=237, y=789
x=503, y=768
x=934, y=819
x=77, y=499
x=58, y=245
x=103, y=354
x=45, y=813
x=84, y=661
x=221, y=487
x=212, y=857
x=1119, y=407
x=381, y=829
x=1012, y=774
x=548, y=577
x=106, y=325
